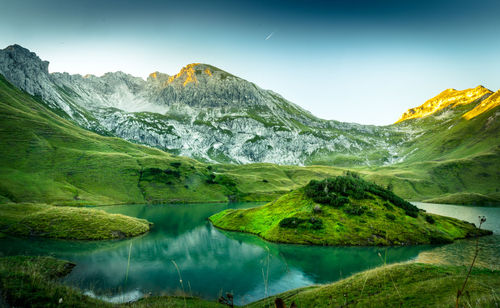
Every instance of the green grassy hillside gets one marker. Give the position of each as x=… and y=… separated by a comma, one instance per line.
x=399, y=285
x=47, y=159
x=451, y=155
x=67, y=222
x=344, y=211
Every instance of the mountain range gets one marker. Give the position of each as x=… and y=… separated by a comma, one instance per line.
x=447, y=146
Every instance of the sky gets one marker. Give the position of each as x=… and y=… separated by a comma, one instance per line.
x=363, y=61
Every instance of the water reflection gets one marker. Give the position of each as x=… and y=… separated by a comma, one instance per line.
x=462, y=252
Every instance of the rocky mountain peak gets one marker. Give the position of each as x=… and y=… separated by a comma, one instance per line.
x=158, y=77
x=187, y=75
x=197, y=72
x=22, y=56
x=448, y=98
x=19, y=66
x=489, y=103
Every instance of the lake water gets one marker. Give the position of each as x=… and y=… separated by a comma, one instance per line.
x=212, y=262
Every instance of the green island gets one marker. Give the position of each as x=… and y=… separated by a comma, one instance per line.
x=42, y=220
x=345, y=210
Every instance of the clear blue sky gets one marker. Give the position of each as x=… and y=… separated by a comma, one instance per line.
x=363, y=61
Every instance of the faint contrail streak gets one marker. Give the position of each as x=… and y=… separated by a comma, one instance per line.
x=269, y=36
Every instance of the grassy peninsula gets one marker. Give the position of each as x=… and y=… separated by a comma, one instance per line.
x=67, y=222
x=345, y=210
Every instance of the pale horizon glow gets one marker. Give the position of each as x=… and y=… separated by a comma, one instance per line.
x=353, y=63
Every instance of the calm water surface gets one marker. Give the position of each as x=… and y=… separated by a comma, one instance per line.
x=212, y=261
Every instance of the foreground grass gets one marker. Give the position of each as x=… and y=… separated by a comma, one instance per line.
x=369, y=220
x=400, y=285
x=32, y=282
x=67, y=222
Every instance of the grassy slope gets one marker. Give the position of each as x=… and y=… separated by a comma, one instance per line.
x=383, y=223
x=32, y=282
x=429, y=179
x=451, y=155
x=67, y=222
x=399, y=285
x=44, y=158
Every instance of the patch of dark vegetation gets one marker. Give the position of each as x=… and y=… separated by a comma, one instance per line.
x=439, y=239
x=355, y=209
x=211, y=179
x=159, y=175
x=337, y=191
x=390, y=216
x=388, y=206
x=429, y=219
x=176, y=164
x=295, y=222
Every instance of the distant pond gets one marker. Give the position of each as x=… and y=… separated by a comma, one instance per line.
x=212, y=262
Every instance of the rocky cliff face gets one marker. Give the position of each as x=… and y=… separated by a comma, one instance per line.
x=206, y=113
x=201, y=112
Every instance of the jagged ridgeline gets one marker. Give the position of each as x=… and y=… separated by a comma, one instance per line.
x=345, y=210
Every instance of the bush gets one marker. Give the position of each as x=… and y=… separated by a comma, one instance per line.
x=388, y=206
x=175, y=164
x=390, y=216
x=210, y=179
x=352, y=174
x=430, y=219
x=289, y=222
x=317, y=209
x=174, y=173
x=158, y=175
x=412, y=214
x=355, y=209
x=295, y=222
x=265, y=181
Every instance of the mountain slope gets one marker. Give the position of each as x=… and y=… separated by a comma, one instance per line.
x=45, y=158
x=202, y=112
